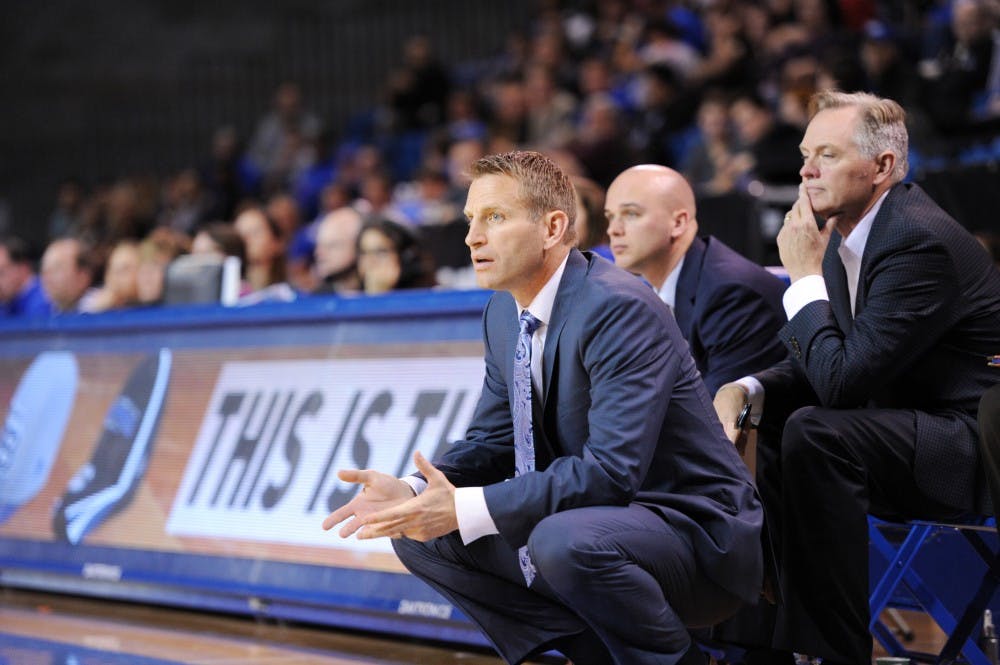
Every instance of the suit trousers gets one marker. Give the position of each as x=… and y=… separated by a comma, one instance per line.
x=819, y=476
x=614, y=585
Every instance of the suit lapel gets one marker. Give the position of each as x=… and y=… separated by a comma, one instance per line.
x=687, y=286
x=575, y=272
x=836, y=284
x=876, y=237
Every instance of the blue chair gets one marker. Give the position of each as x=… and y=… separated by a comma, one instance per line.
x=930, y=567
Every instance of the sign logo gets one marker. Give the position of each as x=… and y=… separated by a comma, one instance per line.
x=275, y=433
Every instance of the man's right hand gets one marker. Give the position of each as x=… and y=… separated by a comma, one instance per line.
x=379, y=492
x=729, y=401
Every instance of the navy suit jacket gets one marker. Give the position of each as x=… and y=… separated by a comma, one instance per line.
x=927, y=315
x=624, y=417
x=729, y=310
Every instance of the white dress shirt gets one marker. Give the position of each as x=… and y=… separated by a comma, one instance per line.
x=474, y=520
x=668, y=292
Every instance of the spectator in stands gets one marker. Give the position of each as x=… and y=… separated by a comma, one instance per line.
x=464, y=117
x=228, y=176
x=601, y=144
x=68, y=214
x=551, y=111
x=874, y=409
x=729, y=62
x=21, y=292
x=508, y=118
x=708, y=164
x=377, y=195
x=337, y=252
x=427, y=200
x=460, y=156
x=663, y=46
x=285, y=211
x=390, y=257
x=67, y=274
x=128, y=210
x=770, y=147
x=156, y=252
x=184, y=202
x=281, y=140
x=958, y=78
x=887, y=71
x=419, y=88
x=265, y=249
x=120, y=288
x=666, y=109
x=727, y=307
x=591, y=224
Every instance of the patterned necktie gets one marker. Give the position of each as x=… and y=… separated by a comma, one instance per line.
x=524, y=442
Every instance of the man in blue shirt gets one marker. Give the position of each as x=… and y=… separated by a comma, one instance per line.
x=21, y=291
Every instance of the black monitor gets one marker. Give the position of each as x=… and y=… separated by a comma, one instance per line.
x=201, y=278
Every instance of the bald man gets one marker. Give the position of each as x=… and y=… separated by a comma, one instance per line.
x=727, y=307
x=336, y=252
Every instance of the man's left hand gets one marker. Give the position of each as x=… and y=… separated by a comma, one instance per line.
x=801, y=244
x=428, y=515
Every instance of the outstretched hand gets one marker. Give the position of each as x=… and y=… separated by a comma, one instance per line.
x=386, y=506
x=379, y=491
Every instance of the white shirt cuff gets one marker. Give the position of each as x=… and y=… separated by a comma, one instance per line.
x=755, y=395
x=802, y=292
x=418, y=485
x=474, y=520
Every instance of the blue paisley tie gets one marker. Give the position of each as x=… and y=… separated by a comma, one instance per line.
x=524, y=443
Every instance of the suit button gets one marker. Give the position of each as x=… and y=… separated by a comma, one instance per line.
x=795, y=348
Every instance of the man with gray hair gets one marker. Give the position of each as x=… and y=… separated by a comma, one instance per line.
x=892, y=313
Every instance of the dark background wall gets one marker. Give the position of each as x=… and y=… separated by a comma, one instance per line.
x=100, y=89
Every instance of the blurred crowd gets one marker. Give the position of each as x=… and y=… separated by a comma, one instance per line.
x=716, y=89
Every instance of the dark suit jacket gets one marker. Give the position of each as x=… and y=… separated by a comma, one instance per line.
x=729, y=310
x=927, y=315
x=624, y=418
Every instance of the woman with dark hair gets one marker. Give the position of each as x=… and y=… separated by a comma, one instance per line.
x=265, y=248
x=390, y=257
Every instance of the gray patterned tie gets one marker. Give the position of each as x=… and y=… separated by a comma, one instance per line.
x=524, y=442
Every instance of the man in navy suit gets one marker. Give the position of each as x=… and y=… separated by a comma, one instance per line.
x=727, y=307
x=892, y=313
x=635, y=518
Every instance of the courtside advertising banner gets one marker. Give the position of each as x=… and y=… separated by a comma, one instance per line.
x=224, y=452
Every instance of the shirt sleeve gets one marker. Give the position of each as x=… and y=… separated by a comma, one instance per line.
x=803, y=292
x=474, y=520
x=755, y=395
x=418, y=485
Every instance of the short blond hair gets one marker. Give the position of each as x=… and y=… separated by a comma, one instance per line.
x=542, y=185
x=881, y=126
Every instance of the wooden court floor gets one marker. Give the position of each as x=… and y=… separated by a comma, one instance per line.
x=48, y=629
x=44, y=629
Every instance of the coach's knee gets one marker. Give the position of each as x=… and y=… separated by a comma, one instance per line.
x=562, y=551
x=807, y=434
